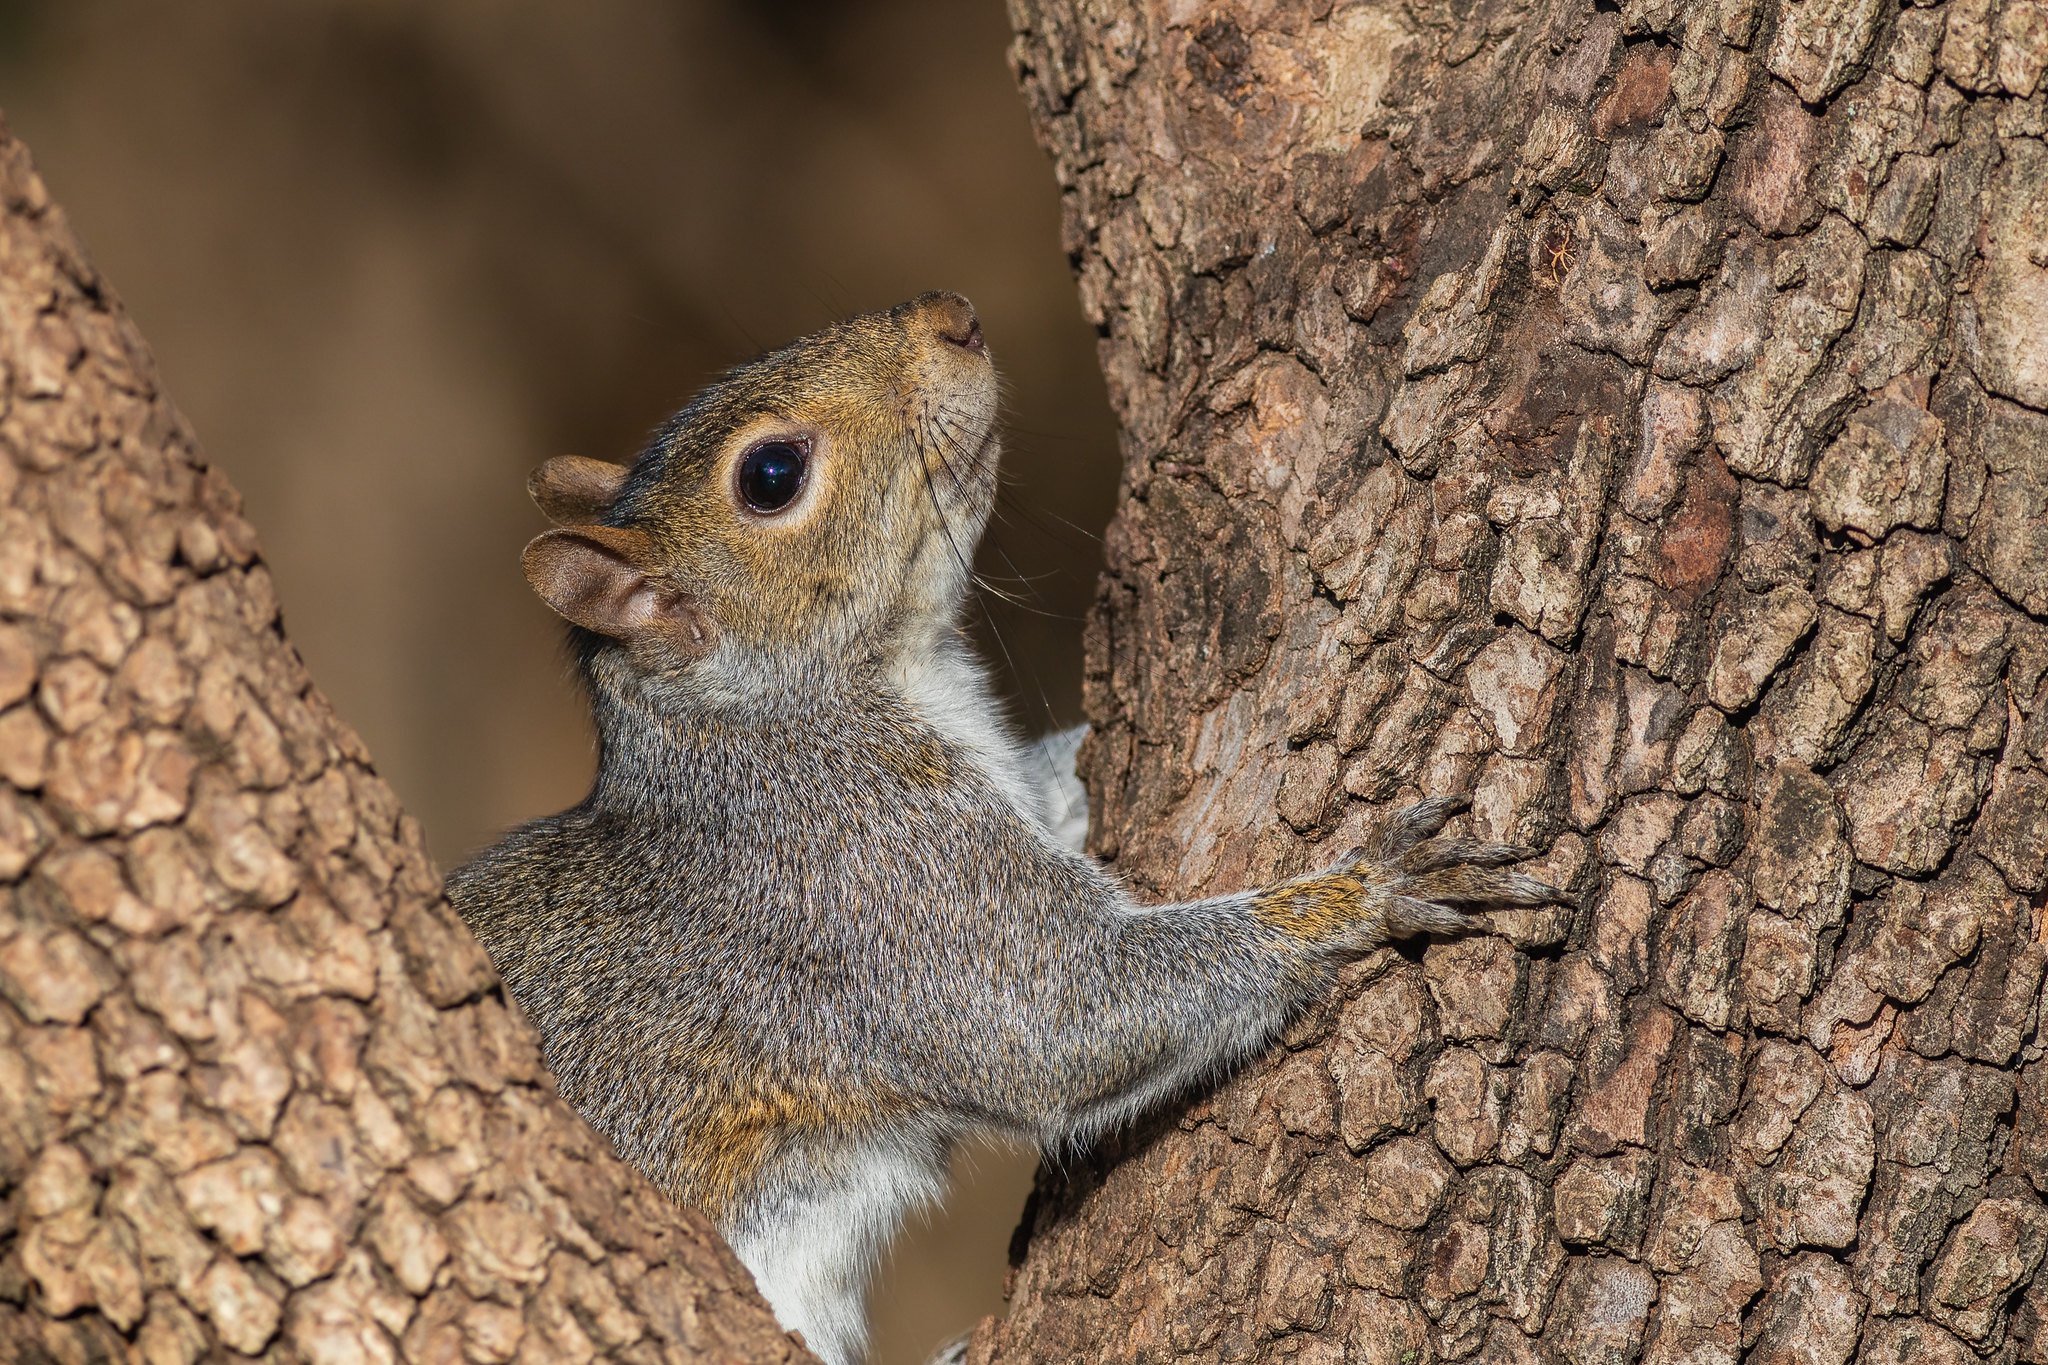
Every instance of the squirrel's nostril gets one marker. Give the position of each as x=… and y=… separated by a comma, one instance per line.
x=952, y=318
x=967, y=338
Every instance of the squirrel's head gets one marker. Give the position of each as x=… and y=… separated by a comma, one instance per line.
x=819, y=504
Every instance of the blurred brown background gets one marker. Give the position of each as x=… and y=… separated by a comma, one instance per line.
x=392, y=254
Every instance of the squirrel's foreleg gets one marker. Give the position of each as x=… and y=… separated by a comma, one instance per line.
x=1183, y=992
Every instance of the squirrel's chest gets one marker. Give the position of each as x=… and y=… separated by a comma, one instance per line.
x=814, y=1230
x=949, y=691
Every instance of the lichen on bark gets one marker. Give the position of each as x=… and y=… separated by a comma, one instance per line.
x=1633, y=416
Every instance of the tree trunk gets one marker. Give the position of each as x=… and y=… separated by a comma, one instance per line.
x=260, y=1092
x=1631, y=415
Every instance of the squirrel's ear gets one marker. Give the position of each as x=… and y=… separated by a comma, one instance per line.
x=593, y=576
x=575, y=491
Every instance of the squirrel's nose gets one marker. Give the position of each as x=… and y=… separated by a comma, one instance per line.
x=954, y=320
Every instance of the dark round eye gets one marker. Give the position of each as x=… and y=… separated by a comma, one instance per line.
x=771, y=474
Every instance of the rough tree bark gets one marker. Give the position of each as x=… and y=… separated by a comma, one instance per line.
x=1632, y=415
x=261, y=1094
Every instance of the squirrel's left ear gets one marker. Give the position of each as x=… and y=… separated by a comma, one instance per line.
x=574, y=490
x=601, y=578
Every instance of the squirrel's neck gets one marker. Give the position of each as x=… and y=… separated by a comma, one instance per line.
x=661, y=736
x=658, y=732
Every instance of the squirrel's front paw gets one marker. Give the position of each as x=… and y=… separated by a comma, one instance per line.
x=1427, y=877
x=1412, y=884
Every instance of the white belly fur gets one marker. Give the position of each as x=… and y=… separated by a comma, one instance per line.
x=813, y=1252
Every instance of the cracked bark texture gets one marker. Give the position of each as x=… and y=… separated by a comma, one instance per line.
x=261, y=1094
x=1635, y=416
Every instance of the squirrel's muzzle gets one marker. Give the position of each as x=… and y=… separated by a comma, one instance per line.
x=951, y=318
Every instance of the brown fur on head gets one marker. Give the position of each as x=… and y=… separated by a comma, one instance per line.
x=893, y=413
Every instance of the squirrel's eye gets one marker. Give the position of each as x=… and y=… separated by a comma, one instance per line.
x=771, y=474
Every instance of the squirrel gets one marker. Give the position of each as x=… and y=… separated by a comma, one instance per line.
x=823, y=914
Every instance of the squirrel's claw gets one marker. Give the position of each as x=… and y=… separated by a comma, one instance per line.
x=1438, y=853
x=1407, y=916
x=1457, y=871
x=1412, y=825
x=1470, y=885
x=1429, y=904
x=1425, y=880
